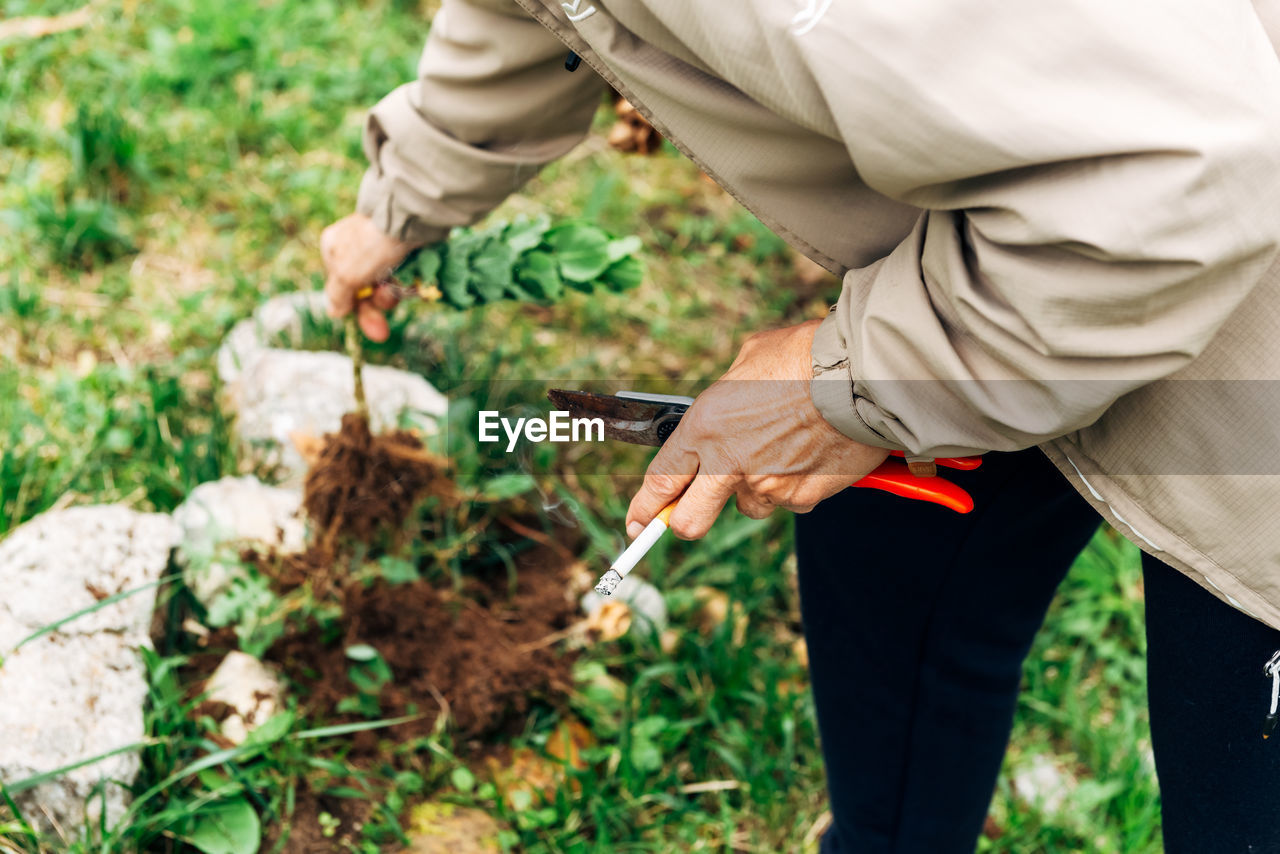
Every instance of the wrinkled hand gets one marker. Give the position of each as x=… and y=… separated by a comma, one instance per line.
x=755, y=434
x=356, y=256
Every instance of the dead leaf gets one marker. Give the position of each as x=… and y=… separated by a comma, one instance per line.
x=308, y=445
x=713, y=609
x=669, y=641
x=610, y=621
x=541, y=776
x=567, y=741
x=38, y=26
x=632, y=131
x=800, y=650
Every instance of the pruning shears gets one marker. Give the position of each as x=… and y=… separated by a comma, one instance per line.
x=648, y=419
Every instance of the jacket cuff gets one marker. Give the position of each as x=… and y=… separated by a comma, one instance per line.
x=377, y=201
x=832, y=386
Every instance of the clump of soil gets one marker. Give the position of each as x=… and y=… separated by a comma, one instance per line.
x=307, y=832
x=479, y=656
x=362, y=483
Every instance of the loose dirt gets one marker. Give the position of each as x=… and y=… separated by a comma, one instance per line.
x=476, y=656
x=362, y=484
x=474, y=659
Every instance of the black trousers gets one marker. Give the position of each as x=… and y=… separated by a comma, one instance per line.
x=918, y=620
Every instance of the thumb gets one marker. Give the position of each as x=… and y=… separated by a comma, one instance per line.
x=339, y=297
x=666, y=479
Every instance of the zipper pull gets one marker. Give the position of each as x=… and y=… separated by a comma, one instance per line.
x=1272, y=669
x=572, y=61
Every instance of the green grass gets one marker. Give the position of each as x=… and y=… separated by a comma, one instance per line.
x=172, y=165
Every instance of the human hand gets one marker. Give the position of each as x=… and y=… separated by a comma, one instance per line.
x=755, y=434
x=357, y=256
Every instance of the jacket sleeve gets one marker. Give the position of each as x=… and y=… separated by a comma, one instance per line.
x=1099, y=184
x=492, y=105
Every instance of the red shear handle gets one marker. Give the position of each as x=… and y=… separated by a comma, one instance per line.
x=961, y=463
x=893, y=476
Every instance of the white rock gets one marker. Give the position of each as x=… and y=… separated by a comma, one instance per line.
x=648, y=608
x=1041, y=783
x=272, y=392
x=77, y=692
x=221, y=518
x=253, y=689
x=280, y=322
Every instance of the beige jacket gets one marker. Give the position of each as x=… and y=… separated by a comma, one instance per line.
x=1057, y=223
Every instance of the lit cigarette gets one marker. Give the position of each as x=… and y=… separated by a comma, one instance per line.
x=634, y=552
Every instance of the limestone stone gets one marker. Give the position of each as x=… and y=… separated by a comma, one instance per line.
x=77, y=692
x=222, y=517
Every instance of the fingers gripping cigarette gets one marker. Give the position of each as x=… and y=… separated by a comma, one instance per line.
x=634, y=552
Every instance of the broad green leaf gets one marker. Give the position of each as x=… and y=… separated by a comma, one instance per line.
x=517, y=292
x=227, y=827
x=491, y=270
x=623, y=247
x=624, y=275
x=456, y=270
x=582, y=251
x=538, y=272
x=427, y=267
x=523, y=235
x=272, y=729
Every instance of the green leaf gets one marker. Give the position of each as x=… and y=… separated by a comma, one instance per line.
x=645, y=755
x=456, y=271
x=271, y=730
x=506, y=486
x=227, y=827
x=623, y=247
x=462, y=778
x=427, y=266
x=624, y=275
x=539, y=272
x=582, y=251
x=491, y=270
x=523, y=235
x=397, y=570
x=361, y=652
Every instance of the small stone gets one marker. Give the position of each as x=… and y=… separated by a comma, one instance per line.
x=285, y=392
x=1041, y=783
x=252, y=689
x=274, y=392
x=221, y=518
x=78, y=691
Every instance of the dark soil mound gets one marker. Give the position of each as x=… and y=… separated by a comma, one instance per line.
x=363, y=483
x=475, y=655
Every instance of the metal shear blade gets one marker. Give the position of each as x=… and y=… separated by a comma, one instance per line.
x=635, y=417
